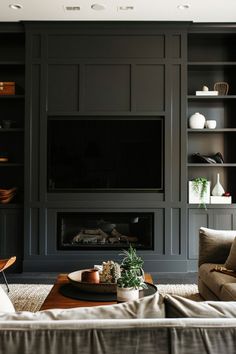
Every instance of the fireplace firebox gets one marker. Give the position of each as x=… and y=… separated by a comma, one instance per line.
x=104, y=230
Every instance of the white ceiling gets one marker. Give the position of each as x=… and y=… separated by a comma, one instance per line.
x=143, y=10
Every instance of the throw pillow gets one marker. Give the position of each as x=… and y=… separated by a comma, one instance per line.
x=231, y=260
x=214, y=245
x=5, y=303
x=147, y=307
x=179, y=307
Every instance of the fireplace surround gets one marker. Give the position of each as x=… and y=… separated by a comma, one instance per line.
x=78, y=231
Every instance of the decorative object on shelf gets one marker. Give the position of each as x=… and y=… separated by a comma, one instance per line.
x=7, y=124
x=222, y=88
x=197, y=121
x=6, y=195
x=199, y=191
x=217, y=158
x=205, y=92
x=221, y=200
x=7, y=88
x=4, y=157
x=211, y=124
x=218, y=190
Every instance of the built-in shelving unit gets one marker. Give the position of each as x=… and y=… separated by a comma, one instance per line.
x=211, y=59
x=12, y=136
x=12, y=68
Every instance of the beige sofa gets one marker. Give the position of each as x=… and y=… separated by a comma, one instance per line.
x=170, y=325
x=135, y=328
x=214, y=248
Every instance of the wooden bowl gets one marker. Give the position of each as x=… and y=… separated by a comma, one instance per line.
x=75, y=279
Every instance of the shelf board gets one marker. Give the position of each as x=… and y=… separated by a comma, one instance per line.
x=212, y=63
x=11, y=205
x=219, y=97
x=4, y=130
x=211, y=164
x=11, y=164
x=213, y=206
x=12, y=62
x=12, y=96
x=74, y=115
x=205, y=131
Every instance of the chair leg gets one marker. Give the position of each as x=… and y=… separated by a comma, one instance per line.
x=5, y=279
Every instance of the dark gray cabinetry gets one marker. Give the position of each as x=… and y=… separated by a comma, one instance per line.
x=104, y=71
x=211, y=59
x=11, y=234
x=122, y=71
x=218, y=218
x=12, y=69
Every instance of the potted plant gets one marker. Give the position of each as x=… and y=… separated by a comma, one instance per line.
x=132, y=261
x=128, y=285
x=132, y=276
x=199, y=191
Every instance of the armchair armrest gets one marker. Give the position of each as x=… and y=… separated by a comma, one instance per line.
x=214, y=245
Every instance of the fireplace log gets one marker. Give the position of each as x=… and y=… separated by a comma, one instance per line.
x=121, y=237
x=91, y=236
x=113, y=240
x=90, y=231
x=86, y=238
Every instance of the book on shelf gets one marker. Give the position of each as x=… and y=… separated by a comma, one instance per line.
x=207, y=93
x=221, y=200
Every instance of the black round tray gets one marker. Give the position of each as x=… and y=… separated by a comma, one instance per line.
x=73, y=292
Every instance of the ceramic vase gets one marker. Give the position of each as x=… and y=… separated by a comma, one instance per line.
x=197, y=121
x=218, y=190
x=127, y=294
x=90, y=276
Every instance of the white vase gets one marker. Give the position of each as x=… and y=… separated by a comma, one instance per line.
x=127, y=294
x=218, y=190
x=197, y=121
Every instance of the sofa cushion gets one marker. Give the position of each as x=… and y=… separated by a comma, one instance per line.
x=228, y=292
x=177, y=306
x=147, y=307
x=214, y=245
x=214, y=280
x=205, y=292
x=231, y=260
x=5, y=303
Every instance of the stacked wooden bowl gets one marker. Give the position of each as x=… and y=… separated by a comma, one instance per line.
x=6, y=195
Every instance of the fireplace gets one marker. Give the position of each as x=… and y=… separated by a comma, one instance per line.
x=78, y=231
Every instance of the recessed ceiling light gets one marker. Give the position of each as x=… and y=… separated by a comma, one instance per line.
x=125, y=8
x=183, y=6
x=98, y=7
x=71, y=8
x=15, y=6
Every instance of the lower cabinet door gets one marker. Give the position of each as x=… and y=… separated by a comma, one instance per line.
x=11, y=235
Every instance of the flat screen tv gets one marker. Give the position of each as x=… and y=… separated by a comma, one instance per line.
x=105, y=154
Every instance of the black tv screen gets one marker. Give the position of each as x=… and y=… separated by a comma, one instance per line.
x=105, y=154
